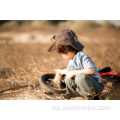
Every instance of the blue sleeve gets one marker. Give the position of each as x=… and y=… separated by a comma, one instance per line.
x=87, y=62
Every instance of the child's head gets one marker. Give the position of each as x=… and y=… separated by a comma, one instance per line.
x=67, y=51
x=65, y=42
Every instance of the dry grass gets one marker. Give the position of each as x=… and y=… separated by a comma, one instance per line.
x=23, y=64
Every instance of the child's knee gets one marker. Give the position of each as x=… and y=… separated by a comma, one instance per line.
x=80, y=77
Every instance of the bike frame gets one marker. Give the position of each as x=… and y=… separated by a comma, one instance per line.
x=109, y=74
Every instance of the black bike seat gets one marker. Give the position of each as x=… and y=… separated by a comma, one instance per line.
x=105, y=69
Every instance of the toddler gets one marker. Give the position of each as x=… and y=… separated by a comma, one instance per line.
x=81, y=73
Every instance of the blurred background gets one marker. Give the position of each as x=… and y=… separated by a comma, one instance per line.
x=82, y=24
x=24, y=56
x=32, y=30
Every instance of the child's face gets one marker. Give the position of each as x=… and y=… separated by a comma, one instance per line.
x=69, y=56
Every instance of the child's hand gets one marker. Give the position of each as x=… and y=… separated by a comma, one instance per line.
x=60, y=71
x=70, y=74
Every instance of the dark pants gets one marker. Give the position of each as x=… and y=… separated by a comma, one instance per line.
x=83, y=84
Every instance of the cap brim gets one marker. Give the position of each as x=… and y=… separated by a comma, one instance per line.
x=77, y=46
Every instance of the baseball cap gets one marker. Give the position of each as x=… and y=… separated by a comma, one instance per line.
x=68, y=37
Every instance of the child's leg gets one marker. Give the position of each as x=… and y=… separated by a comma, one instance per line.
x=70, y=85
x=87, y=85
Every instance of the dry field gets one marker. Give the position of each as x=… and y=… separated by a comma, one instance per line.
x=24, y=58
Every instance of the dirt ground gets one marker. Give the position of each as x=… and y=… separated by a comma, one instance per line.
x=24, y=58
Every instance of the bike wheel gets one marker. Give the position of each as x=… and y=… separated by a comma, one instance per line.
x=45, y=83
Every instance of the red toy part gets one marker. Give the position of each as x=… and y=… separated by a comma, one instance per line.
x=109, y=73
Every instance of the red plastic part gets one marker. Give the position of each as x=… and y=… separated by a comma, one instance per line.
x=109, y=73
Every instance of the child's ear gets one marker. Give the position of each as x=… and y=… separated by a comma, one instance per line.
x=69, y=53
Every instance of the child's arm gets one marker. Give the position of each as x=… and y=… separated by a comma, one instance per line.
x=73, y=73
x=60, y=71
